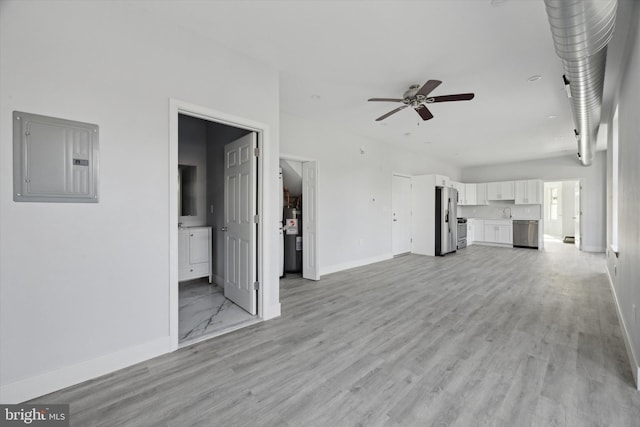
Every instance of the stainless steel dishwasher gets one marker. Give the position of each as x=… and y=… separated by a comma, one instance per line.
x=525, y=233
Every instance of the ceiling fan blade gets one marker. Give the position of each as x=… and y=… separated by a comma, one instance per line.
x=384, y=116
x=428, y=87
x=424, y=112
x=385, y=99
x=447, y=98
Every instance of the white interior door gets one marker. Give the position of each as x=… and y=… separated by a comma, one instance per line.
x=239, y=214
x=401, y=219
x=578, y=215
x=310, y=268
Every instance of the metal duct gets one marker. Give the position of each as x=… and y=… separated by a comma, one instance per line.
x=581, y=30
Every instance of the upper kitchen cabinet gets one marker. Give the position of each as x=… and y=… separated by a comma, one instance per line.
x=481, y=193
x=467, y=193
x=504, y=190
x=461, y=192
x=442, y=181
x=529, y=192
x=470, y=196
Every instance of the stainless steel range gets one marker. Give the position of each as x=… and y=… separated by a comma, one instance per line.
x=462, y=233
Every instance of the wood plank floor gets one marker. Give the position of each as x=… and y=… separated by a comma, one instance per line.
x=487, y=336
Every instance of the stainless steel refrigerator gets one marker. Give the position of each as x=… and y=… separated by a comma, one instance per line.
x=446, y=237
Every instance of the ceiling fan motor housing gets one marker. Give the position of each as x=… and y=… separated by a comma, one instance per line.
x=411, y=97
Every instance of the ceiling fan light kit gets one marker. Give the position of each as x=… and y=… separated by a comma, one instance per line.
x=417, y=97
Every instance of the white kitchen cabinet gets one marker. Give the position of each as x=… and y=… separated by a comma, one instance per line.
x=498, y=231
x=470, y=197
x=478, y=229
x=461, y=192
x=528, y=192
x=194, y=253
x=504, y=190
x=470, y=232
x=481, y=193
x=442, y=181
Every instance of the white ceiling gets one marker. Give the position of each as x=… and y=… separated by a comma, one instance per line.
x=334, y=55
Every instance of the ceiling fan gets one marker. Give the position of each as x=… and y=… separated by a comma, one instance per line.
x=417, y=97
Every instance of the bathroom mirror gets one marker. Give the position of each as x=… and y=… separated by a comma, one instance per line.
x=187, y=190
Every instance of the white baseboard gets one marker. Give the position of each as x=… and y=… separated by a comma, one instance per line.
x=38, y=385
x=597, y=249
x=500, y=245
x=353, y=264
x=218, y=279
x=633, y=360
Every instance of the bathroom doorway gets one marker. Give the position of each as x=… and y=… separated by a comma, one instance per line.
x=214, y=287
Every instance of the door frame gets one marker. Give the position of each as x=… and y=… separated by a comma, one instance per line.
x=544, y=207
x=291, y=157
x=177, y=107
x=410, y=211
x=578, y=207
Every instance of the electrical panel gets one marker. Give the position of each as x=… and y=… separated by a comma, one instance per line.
x=54, y=160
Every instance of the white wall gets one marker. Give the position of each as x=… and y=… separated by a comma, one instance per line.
x=354, y=190
x=560, y=169
x=215, y=198
x=497, y=210
x=84, y=288
x=625, y=269
x=192, y=150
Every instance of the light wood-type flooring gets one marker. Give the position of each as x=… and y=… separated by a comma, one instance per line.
x=485, y=337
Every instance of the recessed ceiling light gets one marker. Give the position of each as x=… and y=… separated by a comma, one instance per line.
x=315, y=97
x=407, y=134
x=551, y=116
x=534, y=78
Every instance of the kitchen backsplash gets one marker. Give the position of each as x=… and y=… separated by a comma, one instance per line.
x=500, y=210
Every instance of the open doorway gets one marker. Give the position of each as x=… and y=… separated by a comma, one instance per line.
x=562, y=212
x=215, y=263
x=299, y=231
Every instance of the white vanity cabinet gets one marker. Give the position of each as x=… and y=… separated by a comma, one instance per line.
x=194, y=253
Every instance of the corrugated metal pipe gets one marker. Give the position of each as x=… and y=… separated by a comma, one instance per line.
x=581, y=30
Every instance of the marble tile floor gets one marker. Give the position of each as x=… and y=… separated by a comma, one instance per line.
x=205, y=311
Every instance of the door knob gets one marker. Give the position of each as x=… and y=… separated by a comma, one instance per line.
x=223, y=228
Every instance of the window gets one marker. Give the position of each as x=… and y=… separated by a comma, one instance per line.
x=553, y=204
